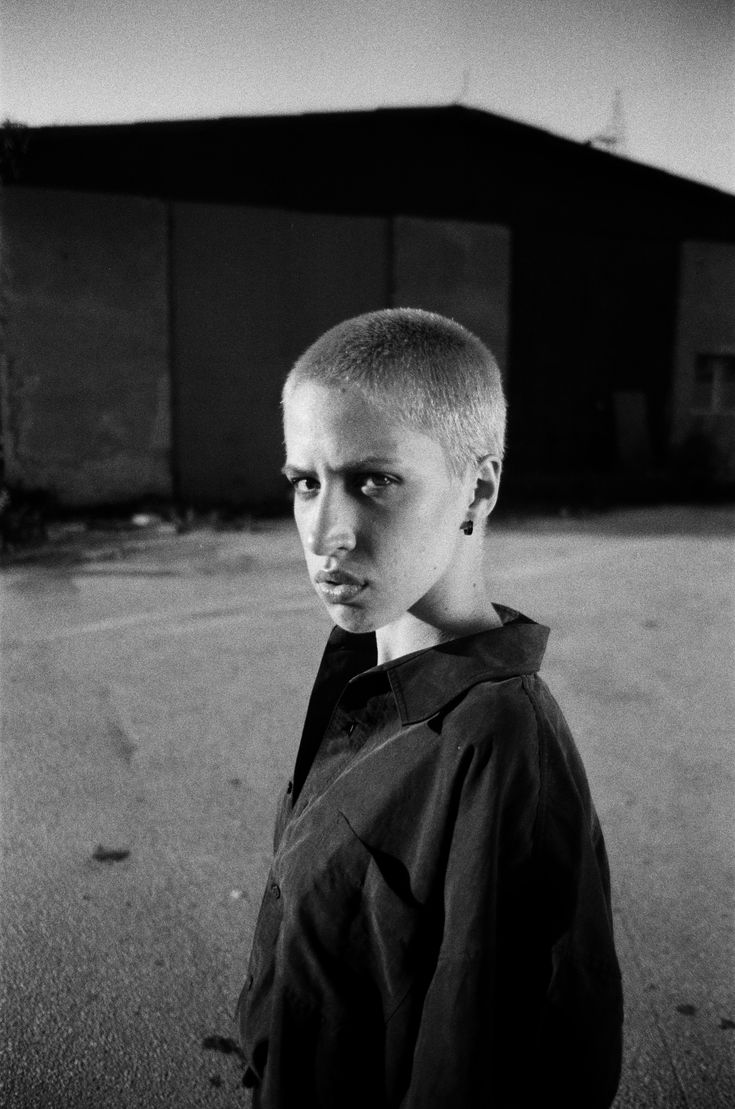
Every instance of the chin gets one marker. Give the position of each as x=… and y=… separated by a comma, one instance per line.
x=355, y=620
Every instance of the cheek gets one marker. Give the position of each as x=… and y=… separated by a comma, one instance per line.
x=424, y=542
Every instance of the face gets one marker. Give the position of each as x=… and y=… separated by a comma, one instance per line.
x=377, y=509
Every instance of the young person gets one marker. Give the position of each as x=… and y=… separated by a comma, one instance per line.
x=435, y=931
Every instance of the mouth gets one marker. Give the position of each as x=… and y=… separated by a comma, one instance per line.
x=337, y=587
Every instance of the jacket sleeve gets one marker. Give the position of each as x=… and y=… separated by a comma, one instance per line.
x=523, y=1006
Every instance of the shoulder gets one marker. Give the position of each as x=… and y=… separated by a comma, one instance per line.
x=517, y=714
x=515, y=736
x=500, y=719
x=491, y=733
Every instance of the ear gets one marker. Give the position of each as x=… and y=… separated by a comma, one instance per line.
x=487, y=486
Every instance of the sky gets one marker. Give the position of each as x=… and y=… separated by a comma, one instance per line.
x=552, y=63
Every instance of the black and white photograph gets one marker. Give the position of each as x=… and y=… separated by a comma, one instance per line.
x=367, y=554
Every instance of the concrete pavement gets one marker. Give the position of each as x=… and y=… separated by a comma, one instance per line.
x=153, y=689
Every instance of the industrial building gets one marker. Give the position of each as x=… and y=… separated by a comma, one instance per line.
x=158, y=280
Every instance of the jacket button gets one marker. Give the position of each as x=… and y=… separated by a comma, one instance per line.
x=276, y=890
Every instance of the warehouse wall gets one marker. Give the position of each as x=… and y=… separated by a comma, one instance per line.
x=145, y=346
x=85, y=382
x=460, y=269
x=704, y=382
x=593, y=340
x=252, y=288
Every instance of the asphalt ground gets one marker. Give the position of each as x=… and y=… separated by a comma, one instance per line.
x=153, y=690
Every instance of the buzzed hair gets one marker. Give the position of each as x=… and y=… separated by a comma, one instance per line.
x=427, y=371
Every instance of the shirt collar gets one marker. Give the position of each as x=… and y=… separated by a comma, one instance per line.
x=424, y=682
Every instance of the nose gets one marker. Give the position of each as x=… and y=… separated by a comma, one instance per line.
x=331, y=526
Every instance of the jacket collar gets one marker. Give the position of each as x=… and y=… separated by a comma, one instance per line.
x=425, y=682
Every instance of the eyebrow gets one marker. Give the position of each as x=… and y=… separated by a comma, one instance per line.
x=371, y=462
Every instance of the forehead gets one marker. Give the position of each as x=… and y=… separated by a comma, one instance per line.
x=337, y=423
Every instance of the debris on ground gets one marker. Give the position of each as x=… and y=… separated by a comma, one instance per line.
x=109, y=854
x=223, y=1044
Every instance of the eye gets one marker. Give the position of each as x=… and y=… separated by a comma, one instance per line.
x=374, y=483
x=303, y=486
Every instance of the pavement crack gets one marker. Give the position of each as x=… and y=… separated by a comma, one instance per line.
x=124, y=746
x=120, y=728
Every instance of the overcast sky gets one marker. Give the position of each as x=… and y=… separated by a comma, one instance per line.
x=552, y=63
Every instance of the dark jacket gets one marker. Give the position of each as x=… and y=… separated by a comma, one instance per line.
x=436, y=929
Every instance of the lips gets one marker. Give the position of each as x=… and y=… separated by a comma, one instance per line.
x=337, y=586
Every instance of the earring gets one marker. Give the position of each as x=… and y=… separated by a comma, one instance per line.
x=467, y=527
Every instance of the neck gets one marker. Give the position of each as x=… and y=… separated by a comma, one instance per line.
x=403, y=638
x=443, y=615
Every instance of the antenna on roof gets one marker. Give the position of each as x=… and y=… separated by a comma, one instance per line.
x=613, y=137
